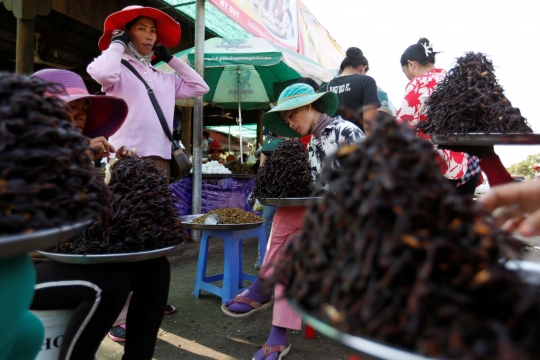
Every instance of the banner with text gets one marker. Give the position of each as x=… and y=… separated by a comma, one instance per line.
x=273, y=20
x=315, y=42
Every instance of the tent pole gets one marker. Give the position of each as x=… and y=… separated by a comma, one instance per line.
x=230, y=138
x=198, y=117
x=240, y=119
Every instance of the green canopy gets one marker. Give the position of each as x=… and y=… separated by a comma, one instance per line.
x=245, y=71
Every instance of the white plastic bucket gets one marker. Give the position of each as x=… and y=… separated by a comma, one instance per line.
x=55, y=323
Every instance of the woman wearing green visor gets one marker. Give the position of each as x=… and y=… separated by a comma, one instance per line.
x=300, y=111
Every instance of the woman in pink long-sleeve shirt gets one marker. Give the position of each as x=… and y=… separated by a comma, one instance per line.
x=139, y=35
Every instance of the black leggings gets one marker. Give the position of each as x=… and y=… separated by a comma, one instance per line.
x=98, y=293
x=468, y=188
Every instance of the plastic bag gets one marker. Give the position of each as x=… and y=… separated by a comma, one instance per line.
x=212, y=219
x=215, y=194
x=251, y=160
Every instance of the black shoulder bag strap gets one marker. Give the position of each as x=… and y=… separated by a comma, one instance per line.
x=153, y=98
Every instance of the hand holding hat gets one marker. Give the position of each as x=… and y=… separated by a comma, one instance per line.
x=161, y=53
x=120, y=36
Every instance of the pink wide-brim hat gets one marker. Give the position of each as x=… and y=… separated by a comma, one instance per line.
x=168, y=30
x=105, y=114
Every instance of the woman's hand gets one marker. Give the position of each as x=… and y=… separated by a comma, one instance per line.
x=162, y=54
x=101, y=148
x=120, y=36
x=515, y=207
x=123, y=152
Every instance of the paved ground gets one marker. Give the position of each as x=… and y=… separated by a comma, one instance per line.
x=200, y=330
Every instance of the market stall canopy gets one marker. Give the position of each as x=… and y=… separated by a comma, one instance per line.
x=225, y=139
x=244, y=71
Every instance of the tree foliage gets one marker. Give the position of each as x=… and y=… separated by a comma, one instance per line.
x=525, y=167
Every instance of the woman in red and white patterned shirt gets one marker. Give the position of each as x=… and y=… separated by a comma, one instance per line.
x=418, y=64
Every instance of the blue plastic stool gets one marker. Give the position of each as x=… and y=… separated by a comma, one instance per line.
x=233, y=276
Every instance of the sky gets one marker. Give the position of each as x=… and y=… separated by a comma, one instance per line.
x=508, y=32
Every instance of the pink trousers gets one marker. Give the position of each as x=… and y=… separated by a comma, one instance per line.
x=287, y=222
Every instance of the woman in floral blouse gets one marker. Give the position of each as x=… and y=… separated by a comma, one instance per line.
x=418, y=64
x=300, y=111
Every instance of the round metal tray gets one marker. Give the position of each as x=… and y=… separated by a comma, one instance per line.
x=11, y=245
x=304, y=201
x=187, y=222
x=369, y=349
x=108, y=258
x=480, y=139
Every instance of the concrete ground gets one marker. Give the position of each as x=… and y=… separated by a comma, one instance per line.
x=200, y=330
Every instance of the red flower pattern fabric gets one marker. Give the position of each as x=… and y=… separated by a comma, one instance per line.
x=454, y=164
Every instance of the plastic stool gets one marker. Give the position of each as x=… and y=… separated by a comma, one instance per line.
x=233, y=276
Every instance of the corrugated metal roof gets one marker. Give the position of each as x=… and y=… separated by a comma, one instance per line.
x=215, y=20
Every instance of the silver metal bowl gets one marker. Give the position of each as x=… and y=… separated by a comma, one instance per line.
x=480, y=139
x=373, y=350
x=11, y=245
x=289, y=202
x=108, y=258
x=187, y=222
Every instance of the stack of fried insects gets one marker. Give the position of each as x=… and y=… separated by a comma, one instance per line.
x=470, y=100
x=47, y=178
x=396, y=255
x=286, y=173
x=144, y=214
x=237, y=168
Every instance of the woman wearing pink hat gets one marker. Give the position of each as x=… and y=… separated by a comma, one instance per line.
x=97, y=293
x=96, y=116
x=139, y=35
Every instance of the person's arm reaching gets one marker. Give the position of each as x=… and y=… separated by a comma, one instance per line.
x=515, y=207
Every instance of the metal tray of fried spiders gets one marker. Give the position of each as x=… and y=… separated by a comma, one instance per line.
x=95, y=259
x=226, y=176
x=187, y=221
x=481, y=139
x=289, y=202
x=17, y=244
x=369, y=349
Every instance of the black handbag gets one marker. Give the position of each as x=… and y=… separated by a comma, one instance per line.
x=180, y=163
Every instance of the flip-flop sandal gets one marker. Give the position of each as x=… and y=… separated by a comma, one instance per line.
x=119, y=333
x=281, y=349
x=244, y=300
x=169, y=309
